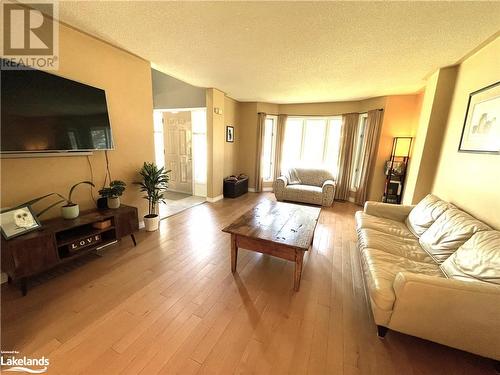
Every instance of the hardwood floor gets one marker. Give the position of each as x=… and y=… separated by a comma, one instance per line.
x=171, y=305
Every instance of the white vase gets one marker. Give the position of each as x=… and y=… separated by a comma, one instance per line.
x=114, y=202
x=70, y=212
x=151, y=223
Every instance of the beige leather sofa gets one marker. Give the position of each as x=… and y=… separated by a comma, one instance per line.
x=306, y=185
x=432, y=271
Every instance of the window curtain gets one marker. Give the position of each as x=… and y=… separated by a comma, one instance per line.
x=280, y=137
x=372, y=132
x=348, y=132
x=260, y=141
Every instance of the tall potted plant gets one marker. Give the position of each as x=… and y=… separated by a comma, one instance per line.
x=154, y=183
x=71, y=210
x=113, y=193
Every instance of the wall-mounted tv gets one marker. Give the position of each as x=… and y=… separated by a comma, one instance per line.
x=42, y=112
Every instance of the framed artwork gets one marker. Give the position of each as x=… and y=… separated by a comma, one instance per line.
x=481, y=131
x=18, y=221
x=229, y=134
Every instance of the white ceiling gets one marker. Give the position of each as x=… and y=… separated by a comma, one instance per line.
x=293, y=52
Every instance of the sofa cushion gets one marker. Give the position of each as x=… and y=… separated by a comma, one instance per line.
x=313, y=176
x=304, y=188
x=425, y=213
x=381, y=224
x=304, y=193
x=380, y=269
x=400, y=246
x=478, y=259
x=449, y=232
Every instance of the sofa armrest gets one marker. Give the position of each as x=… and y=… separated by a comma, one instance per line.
x=461, y=314
x=328, y=190
x=279, y=187
x=396, y=212
x=328, y=184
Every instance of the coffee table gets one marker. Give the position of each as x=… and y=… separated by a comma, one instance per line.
x=283, y=230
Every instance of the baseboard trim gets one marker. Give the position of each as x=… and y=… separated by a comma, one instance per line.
x=351, y=199
x=141, y=224
x=251, y=190
x=215, y=199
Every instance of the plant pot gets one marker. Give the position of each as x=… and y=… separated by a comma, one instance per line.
x=151, y=222
x=114, y=202
x=102, y=203
x=70, y=211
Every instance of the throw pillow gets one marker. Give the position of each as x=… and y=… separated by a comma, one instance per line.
x=293, y=177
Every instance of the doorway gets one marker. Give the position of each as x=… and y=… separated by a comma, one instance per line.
x=181, y=147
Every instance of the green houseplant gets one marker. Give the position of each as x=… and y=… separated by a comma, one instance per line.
x=154, y=184
x=113, y=193
x=71, y=210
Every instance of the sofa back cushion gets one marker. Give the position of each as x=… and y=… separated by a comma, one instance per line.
x=449, y=232
x=477, y=259
x=425, y=213
x=313, y=176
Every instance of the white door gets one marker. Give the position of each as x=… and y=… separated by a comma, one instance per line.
x=178, y=150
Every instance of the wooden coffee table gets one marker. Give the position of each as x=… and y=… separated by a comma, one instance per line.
x=284, y=230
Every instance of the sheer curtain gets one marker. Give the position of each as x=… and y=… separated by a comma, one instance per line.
x=260, y=141
x=280, y=137
x=372, y=132
x=348, y=132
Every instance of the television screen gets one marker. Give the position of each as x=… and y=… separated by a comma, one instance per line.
x=42, y=112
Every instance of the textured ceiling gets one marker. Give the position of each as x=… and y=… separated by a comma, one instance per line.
x=287, y=52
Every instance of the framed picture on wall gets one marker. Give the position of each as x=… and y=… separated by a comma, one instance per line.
x=229, y=134
x=481, y=131
x=18, y=221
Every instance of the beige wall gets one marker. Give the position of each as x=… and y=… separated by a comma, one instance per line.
x=470, y=180
x=400, y=119
x=432, y=125
x=247, y=140
x=215, y=142
x=231, y=112
x=127, y=81
x=420, y=138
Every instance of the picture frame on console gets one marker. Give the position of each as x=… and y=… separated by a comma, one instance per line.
x=17, y=221
x=481, y=130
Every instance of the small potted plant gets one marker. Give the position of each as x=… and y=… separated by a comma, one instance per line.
x=154, y=183
x=113, y=193
x=71, y=210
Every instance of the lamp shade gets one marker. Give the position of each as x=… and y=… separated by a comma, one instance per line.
x=402, y=146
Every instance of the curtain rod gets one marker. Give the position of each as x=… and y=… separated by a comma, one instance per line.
x=316, y=115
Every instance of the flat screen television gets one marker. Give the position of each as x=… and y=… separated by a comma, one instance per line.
x=42, y=112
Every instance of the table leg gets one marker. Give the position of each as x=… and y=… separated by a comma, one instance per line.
x=299, y=257
x=234, y=253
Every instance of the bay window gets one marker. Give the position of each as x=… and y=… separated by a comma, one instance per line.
x=268, y=148
x=312, y=142
x=359, y=151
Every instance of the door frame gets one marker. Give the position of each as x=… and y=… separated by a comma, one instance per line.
x=190, y=109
